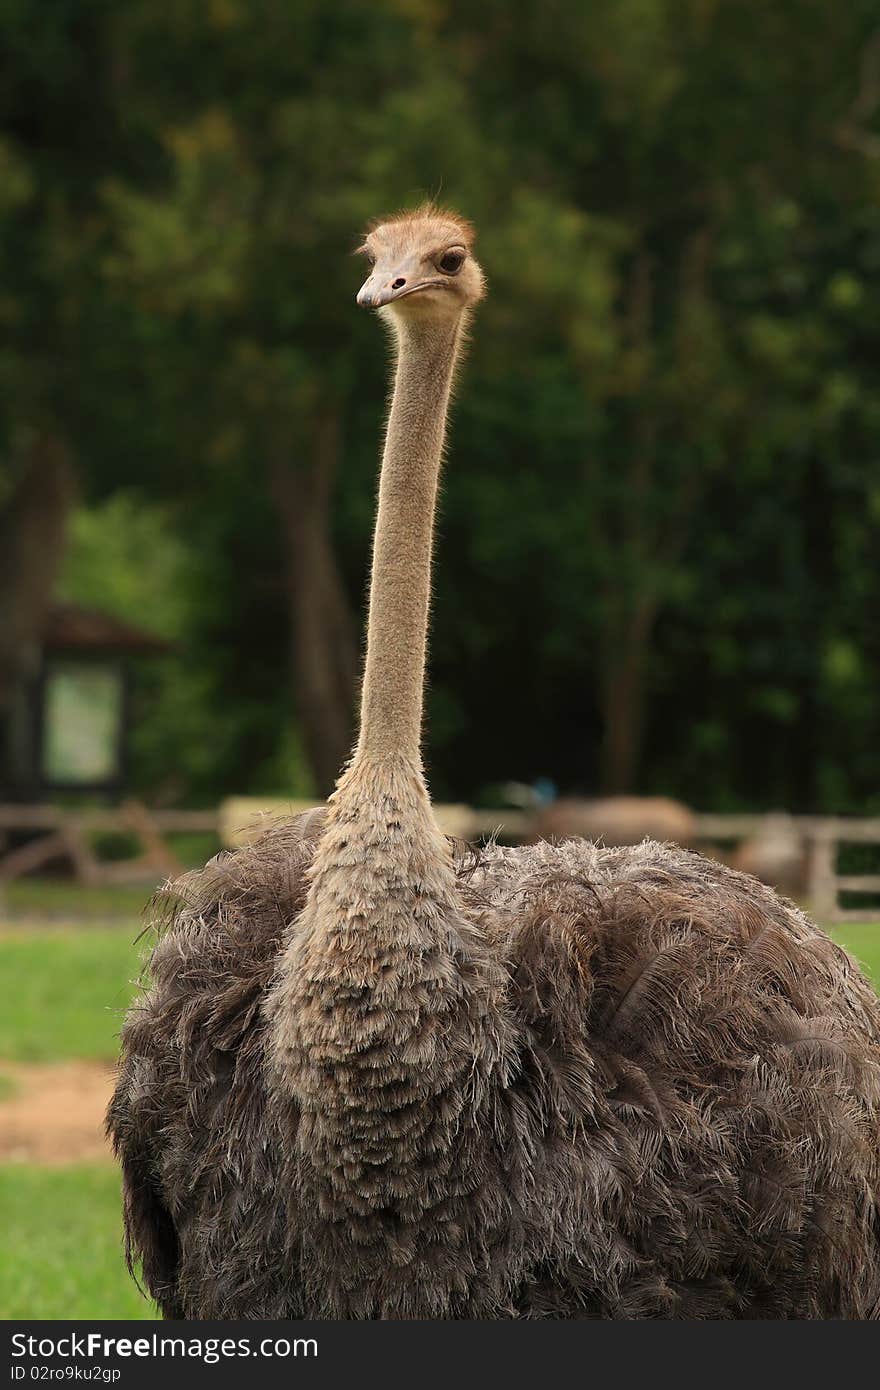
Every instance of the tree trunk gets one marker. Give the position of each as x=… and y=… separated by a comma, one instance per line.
x=622, y=699
x=32, y=532
x=325, y=656
x=646, y=544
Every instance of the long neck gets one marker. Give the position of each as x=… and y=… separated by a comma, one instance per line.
x=379, y=1031
x=391, y=705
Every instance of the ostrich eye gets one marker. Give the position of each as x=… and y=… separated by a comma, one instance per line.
x=451, y=261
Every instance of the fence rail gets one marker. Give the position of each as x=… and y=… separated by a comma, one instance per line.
x=67, y=834
x=825, y=884
x=821, y=837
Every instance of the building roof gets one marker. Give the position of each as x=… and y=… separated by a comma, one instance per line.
x=72, y=628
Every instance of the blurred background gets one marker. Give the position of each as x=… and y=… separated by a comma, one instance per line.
x=658, y=568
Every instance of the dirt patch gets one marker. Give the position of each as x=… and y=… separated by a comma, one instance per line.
x=55, y=1112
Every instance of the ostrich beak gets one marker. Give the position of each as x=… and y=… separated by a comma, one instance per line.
x=374, y=292
x=384, y=286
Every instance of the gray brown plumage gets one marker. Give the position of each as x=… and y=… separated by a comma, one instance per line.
x=678, y=1116
x=376, y=1076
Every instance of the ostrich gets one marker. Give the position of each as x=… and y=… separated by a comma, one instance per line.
x=379, y=1075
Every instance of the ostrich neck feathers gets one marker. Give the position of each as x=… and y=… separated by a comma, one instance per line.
x=388, y=1019
x=394, y=674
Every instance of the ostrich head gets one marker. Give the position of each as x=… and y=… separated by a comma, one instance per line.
x=421, y=263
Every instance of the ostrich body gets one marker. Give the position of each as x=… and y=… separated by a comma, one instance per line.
x=379, y=1076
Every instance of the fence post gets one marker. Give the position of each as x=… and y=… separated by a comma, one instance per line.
x=822, y=873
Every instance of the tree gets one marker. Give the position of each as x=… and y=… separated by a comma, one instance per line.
x=660, y=509
x=238, y=249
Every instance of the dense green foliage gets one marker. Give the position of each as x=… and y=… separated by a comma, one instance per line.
x=657, y=558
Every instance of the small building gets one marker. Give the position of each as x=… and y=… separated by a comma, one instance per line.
x=69, y=726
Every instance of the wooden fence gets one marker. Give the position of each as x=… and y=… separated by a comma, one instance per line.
x=825, y=884
x=60, y=833
x=822, y=838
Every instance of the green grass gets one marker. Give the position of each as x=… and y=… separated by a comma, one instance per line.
x=58, y=898
x=863, y=941
x=61, y=1252
x=65, y=990
x=64, y=900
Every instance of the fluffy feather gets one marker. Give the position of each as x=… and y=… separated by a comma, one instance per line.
x=687, y=1126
